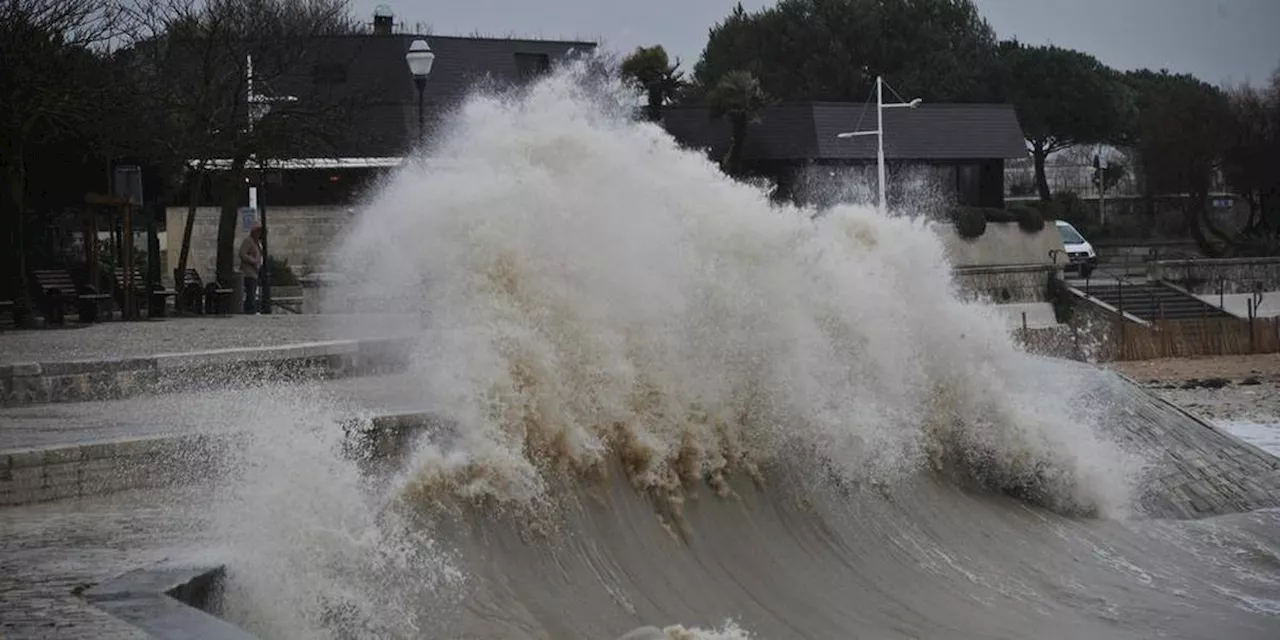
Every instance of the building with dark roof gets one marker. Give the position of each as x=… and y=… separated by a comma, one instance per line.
x=363, y=86
x=365, y=79
x=964, y=146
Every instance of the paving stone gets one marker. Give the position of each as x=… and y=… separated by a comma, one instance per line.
x=48, y=550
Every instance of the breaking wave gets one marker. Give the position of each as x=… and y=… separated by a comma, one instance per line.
x=676, y=408
x=591, y=291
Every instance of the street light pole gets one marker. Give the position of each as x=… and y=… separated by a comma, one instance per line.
x=420, y=59
x=879, y=134
x=259, y=105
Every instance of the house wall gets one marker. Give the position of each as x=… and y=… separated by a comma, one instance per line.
x=1233, y=275
x=301, y=235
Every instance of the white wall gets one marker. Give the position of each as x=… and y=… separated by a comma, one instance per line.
x=1003, y=243
x=301, y=235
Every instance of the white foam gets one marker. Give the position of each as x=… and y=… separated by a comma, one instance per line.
x=579, y=277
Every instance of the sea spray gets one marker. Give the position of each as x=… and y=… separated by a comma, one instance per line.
x=589, y=290
x=311, y=549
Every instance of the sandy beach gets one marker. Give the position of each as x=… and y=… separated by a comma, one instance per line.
x=1238, y=393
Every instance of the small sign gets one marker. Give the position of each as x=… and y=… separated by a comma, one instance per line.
x=248, y=218
x=1222, y=203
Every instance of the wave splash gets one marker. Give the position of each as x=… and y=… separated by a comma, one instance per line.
x=591, y=292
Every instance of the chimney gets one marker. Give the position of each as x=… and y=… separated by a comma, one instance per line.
x=383, y=20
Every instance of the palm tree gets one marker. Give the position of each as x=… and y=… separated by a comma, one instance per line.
x=651, y=70
x=738, y=98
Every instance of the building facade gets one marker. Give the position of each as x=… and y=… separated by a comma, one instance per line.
x=308, y=196
x=957, y=151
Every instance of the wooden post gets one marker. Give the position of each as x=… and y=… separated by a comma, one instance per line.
x=1253, y=348
x=130, y=307
x=91, y=245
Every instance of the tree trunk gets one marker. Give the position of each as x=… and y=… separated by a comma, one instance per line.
x=17, y=267
x=196, y=180
x=231, y=195
x=654, y=108
x=737, y=139
x=1251, y=227
x=1196, y=216
x=1039, y=155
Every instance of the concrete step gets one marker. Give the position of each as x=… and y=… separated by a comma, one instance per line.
x=31, y=383
x=1153, y=301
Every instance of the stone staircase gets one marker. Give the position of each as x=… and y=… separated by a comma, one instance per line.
x=1152, y=301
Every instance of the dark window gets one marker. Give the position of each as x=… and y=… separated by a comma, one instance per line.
x=530, y=65
x=328, y=73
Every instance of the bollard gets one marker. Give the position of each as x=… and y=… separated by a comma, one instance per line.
x=53, y=310
x=1253, y=347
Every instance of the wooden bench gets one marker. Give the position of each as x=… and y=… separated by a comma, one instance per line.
x=6, y=311
x=290, y=298
x=156, y=296
x=57, y=293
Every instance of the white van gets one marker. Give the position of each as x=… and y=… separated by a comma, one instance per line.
x=1080, y=254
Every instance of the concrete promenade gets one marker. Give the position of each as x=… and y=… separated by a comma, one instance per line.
x=51, y=552
x=120, y=360
x=114, y=341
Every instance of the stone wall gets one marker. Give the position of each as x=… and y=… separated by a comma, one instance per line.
x=1203, y=276
x=1002, y=244
x=40, y=475
x=1004, y=284
x=31, y=383
x=301, y=235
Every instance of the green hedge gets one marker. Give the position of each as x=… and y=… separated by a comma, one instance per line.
x=971, y=222
x=280, y=273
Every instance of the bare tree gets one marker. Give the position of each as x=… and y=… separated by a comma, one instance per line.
x=50, y=76
x=192, y=59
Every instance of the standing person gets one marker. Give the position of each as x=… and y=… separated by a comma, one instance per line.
x=250, y=263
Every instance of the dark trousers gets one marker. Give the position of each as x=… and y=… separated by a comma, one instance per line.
x=250, y=295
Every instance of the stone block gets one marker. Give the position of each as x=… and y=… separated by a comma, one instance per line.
x=140, y=446
x=61, y=455
x=29, y=390
x=24, y=458
x=25, y=369
x=126, y=384
x=68, y=388
x=27, y=481
x=91, y=471
x=103, y=385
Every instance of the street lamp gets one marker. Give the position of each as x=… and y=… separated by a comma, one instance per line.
x=420, y=59
x=879, y=132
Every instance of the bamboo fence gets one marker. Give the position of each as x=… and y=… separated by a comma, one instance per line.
x=1199, y=337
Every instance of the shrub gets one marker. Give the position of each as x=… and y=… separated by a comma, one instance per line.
x=971, y=223
x=280, y=274
x=1029, y=220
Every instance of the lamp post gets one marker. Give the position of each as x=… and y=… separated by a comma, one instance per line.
x=879, y=133
x=420, y=58
x=259, y=105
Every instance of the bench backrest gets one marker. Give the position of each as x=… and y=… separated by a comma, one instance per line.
x=55, y=279
x=139, y=278
x=191, y=276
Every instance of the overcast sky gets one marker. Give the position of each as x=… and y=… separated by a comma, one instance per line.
x=1217, y=40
